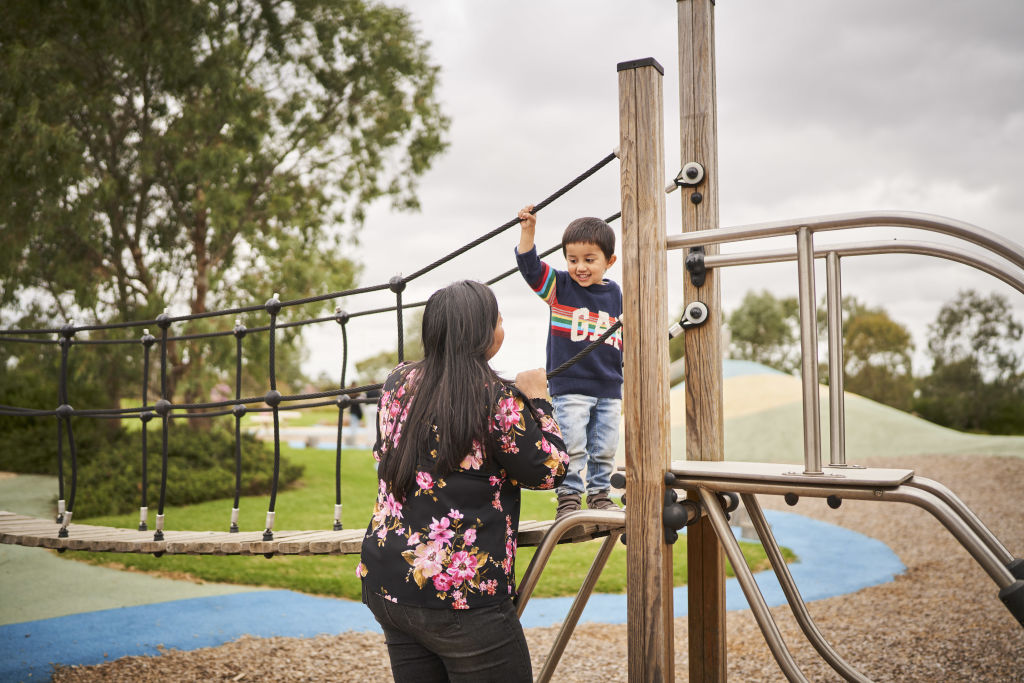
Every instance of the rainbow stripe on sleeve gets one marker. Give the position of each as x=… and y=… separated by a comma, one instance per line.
x=544, y=286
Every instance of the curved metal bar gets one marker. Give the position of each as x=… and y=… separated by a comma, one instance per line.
x=540, y=559
x=1009, y=250
x=554, y=534
x=981, y=263
x=796, y=602
x=966, y=514
x=573, y=617
x=903, y=494
x=758, y=606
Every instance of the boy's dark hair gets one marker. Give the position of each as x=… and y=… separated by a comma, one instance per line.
x=590, y=230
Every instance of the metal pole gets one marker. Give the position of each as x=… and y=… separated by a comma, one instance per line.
x=809, y=352
x=837, y=409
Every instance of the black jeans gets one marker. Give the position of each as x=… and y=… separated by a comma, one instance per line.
x=472, y=645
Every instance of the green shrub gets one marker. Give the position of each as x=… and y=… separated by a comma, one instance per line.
x=28, y=445
x=200, y=467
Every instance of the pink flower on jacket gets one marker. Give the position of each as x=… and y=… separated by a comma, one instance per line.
x=442, y=582
x=392, y=506
x=440, y=531
x=360, y=570
x=469, y=537
x=424, y=480
x=475, y=459
x=509, y=413
x=462, y=566
x=428, y=559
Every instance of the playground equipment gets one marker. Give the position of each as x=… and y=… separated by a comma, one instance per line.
x=62, y=535
x=654, y=511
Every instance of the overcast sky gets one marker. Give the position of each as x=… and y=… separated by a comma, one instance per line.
x=823, y=107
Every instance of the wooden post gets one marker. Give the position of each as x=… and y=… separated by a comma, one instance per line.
x=704, y=419
x=645, y=392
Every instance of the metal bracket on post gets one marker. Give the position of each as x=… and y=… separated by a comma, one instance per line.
x=691, y=175
x=694, y=315
x=695, y=266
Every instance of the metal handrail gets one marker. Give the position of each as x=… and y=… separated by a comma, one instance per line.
x=1008, y=249
x=805, y=254
x=832, y=254
x=896, y=246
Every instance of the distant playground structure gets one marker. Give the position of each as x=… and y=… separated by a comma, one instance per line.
x=655, y=511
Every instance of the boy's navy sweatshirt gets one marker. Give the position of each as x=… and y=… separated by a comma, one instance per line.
x=579, y=315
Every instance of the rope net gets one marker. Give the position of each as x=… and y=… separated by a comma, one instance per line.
x=273, y=401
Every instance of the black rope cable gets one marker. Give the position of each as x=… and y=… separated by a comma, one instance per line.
x=46, y=330
x=331, y=295
x=238, y=411
x=21, y=340
x=64, y=422
x=401, y=326
x=60, y=471
x=515, y=221
x=136, y=411
x=26, y=412
x=295, y=302
x=590, y=347
x=163, y=410
x=73, y=450
x=273, y=399
x=145, y=416
x=342, y=319
x=219, y=413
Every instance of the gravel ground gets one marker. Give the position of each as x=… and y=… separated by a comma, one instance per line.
x=940, y=621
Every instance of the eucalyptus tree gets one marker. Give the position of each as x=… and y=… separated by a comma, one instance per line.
x=200, y=154
x=977, y=378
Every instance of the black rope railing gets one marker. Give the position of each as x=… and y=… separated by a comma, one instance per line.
x=344, y=402
x=238, y=411
x=164, y=408
x=145, y=417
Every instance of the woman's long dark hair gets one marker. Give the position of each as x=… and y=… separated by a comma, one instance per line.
x=453, y=388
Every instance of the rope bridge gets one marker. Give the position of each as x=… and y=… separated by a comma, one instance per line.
x=34, y=532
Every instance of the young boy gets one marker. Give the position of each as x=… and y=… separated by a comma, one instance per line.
x=587, y=397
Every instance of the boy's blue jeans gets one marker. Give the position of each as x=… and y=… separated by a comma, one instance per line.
x=590, y=429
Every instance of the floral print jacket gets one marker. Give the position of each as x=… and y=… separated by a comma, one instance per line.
x=452, y=542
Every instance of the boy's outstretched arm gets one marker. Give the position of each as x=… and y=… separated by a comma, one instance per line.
x=527, y=228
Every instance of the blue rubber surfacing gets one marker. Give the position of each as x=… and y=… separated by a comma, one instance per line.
x=832, y=561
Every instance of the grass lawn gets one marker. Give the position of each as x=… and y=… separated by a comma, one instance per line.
x=311, y=506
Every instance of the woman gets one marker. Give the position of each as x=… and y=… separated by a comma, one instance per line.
x=455, y=443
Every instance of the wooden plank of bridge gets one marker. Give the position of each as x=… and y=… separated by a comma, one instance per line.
x=34, y=532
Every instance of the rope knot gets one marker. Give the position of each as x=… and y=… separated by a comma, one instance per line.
x=273, y=305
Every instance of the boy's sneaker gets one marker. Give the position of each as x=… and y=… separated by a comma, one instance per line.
x=567, y=502
x=600, y=501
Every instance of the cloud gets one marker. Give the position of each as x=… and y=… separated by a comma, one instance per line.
x=823, y=107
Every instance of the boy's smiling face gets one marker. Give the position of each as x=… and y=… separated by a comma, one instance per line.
x=587, y=263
